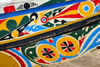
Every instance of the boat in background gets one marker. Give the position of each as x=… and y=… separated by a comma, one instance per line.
x=39, y=33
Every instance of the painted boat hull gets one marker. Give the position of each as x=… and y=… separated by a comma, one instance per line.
x=50, y=34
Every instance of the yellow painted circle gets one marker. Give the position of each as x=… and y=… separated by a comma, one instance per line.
x=15, y=33
x=7, y=61
x=42, y=46
x=81, y=8
x=74, y=52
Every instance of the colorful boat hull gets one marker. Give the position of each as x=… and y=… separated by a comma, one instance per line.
x=50, y=34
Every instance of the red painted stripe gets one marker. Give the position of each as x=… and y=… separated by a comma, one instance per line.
x=96, y=2
x=71, y=16
x=2, y=20
x=42, y=61
x=18, y=58
x=74, y=7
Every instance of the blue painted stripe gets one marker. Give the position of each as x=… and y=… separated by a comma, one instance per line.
x=18, y=53
x=17, y=13
x=94, y=43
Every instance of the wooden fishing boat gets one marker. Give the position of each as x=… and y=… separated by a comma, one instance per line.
x=39, y=33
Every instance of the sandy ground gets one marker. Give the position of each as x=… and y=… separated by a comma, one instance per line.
x=89, y=60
